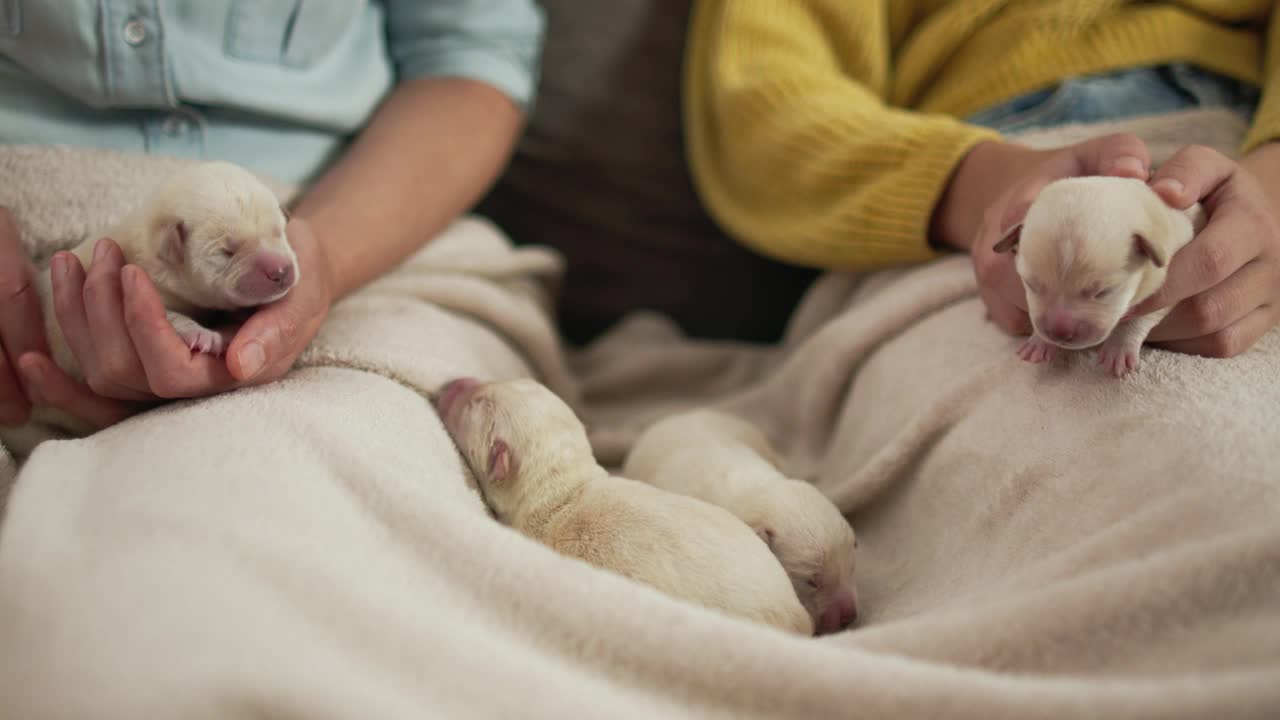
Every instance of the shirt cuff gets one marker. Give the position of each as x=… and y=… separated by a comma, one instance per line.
x=515, y=77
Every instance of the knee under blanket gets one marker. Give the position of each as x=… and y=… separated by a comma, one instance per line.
x=1036, y=542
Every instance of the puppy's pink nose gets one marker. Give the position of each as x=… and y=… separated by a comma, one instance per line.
x=840, y=614
x=275, y=267
x=269, y=274
x=1062, y=327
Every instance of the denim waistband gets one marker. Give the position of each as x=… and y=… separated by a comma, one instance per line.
x=1119, y=95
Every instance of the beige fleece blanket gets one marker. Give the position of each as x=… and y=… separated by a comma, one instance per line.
x=1037, y=542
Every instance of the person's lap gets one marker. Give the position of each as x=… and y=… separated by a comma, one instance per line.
x=445, y=311
x=321, y=472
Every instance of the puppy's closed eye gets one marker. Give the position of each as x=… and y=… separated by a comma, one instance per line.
x=499, y=460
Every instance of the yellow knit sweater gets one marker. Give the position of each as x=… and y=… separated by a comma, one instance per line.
x=823, y=132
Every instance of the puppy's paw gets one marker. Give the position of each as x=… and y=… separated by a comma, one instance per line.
x=202, y=341
x=1119, y=358
x=1035, y=350
x=195, y=336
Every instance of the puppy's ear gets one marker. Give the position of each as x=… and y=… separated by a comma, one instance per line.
x=1009, y=241
x=173, y=246
x=766, y=534
x=499, y=460
x=1148, y=250
x=1164, y=231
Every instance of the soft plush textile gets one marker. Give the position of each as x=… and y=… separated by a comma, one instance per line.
x=1036, y=542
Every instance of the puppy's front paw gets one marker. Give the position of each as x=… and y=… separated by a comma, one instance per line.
x=1118, y=357
x=196, y=336
x=201, y=340
x=1035, y=350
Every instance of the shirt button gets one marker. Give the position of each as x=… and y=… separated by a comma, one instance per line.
x=135, y=32
x=174, y=125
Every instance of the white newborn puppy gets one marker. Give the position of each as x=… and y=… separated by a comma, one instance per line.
x=536, y=471
x=212, y=238
x=728, y=462
x=1088, y=251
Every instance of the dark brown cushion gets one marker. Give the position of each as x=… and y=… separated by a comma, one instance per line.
x=600, y=174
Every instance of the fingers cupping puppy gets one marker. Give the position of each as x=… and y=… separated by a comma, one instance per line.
x=114, y=323
x=1119, y=155
x=21, y=322
x=1225, y=284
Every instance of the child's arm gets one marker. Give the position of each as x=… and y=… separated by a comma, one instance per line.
x=793, y=147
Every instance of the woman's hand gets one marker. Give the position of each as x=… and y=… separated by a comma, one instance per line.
x=1225, y=284
x=269, y=342
x=21, y=322
x=998, y=282
x=114, y=323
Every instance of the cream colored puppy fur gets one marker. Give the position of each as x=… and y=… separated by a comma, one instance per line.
x=728, y=462
x=535, y=468
x=1088, y=251
x=211, y=237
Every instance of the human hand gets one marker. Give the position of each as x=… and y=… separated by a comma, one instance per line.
x=269, y=342
x=114, y=323
x=1224, y=284
x=1120, y=155
x=21, y=322
x=28, y=377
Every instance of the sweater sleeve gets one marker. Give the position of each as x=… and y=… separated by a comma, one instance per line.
x=791, y=144
x=1266, y=120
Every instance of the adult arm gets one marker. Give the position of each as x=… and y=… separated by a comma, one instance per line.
x=429, y=153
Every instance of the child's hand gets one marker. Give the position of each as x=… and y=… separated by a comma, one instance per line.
x=998, y=282
x=1226, y=282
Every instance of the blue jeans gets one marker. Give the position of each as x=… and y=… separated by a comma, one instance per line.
x=1120, y=95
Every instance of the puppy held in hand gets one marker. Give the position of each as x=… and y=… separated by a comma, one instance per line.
x=212, y=238
x=1088, y=251
x=536, y=471
x=727, y=462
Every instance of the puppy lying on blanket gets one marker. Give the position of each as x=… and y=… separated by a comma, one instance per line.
x=211, y=237
x=534, y=465
x=728, y=462
x=1089, y=250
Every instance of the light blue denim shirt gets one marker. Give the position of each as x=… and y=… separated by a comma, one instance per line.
x=275, y=85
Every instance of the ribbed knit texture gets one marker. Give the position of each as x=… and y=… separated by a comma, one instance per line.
x=823, y=132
